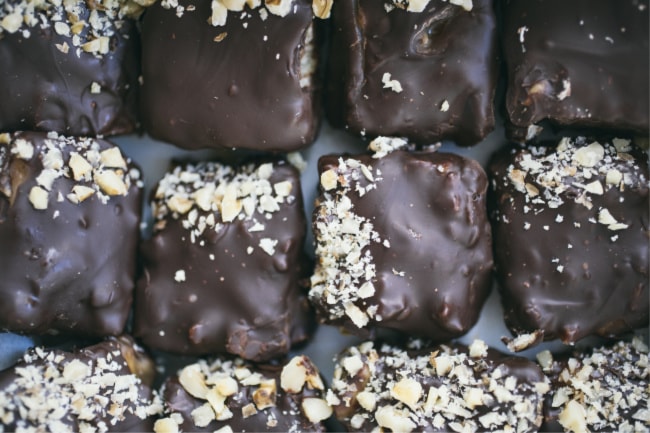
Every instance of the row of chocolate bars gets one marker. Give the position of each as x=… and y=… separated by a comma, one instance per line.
x=403, y=240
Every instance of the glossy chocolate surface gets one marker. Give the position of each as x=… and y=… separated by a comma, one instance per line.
x=426, y=387
x=425, y=268
x=444, y=59
x=603, y=389
x=233, y=86
x=580, y=63
x=49, y=84
x=218, y=290
x=563, y=265
x=68, y=268
x=98, y=387
x=259, y=404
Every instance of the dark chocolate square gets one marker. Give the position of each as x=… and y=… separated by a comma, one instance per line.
x=71, y=68
x=70, y=213
x=402, y=243
x=570, y=223
x=427, y=76
x=579, y=64
x=222, y=270
x=248, y=83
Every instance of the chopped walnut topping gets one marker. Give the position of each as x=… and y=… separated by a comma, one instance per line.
x=345, y=268
x=220, y=386
x=206, y=196
x=90, y=389
x=83, y=165
x=446, y=390
x=604, y=390
x=105, y=20
x=391, y=84
x=575, y=170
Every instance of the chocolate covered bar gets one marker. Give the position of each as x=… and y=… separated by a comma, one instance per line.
x=598, y=390
x=222, y=270
x=579, y=64
x=239, y=78
x=424, y=387
x=101, y=388
x=231, y=395
x=70, y=67
x=570, y=222
x=425, y=70
x=402, y=242
x=69, y=225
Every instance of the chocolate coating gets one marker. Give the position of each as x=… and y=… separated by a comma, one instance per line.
x=423, y=387
x=563, y=265
x=98, y=387
x=43, y=88
x=409, y=251
x=259, y=404
x=68, y=268
x=220, y=289
x=443, y=54
x=581, y=63
x=242, y=91
x=610, y=384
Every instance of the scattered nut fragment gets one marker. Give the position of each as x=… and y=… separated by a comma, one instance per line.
x=38, y=198
x=545, y=359
x=394, y=419
x=408, y=391
x=265, y=396
x=523, y=341
x=203, y=415
x=367, y=400
x=329, y=179
x=478, y=349
x=193, y=381
x=316, y=409
x=280, y=8
x=112, y=158
x=574, y=417
x=226, y=386
x=12, y=22
x=230, y=205
x=82, y=192
x=110, y=183
x=165, y=425
x=589, y=156
x=81, y=168
x=179, y=204
x=322, y=8
x=465, y=4
x=248, y=410
x=293, y=376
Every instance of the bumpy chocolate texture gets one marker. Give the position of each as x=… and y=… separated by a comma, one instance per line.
x=221, y=273
x=570, y=226
x=70, y=67
x=580, y=63
x=238, y=79
x=427, y=75
x=102, y=388
x=436, y=388
x=230, y=395
x=402, y=242
x=605, y=389
x=69, y=223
